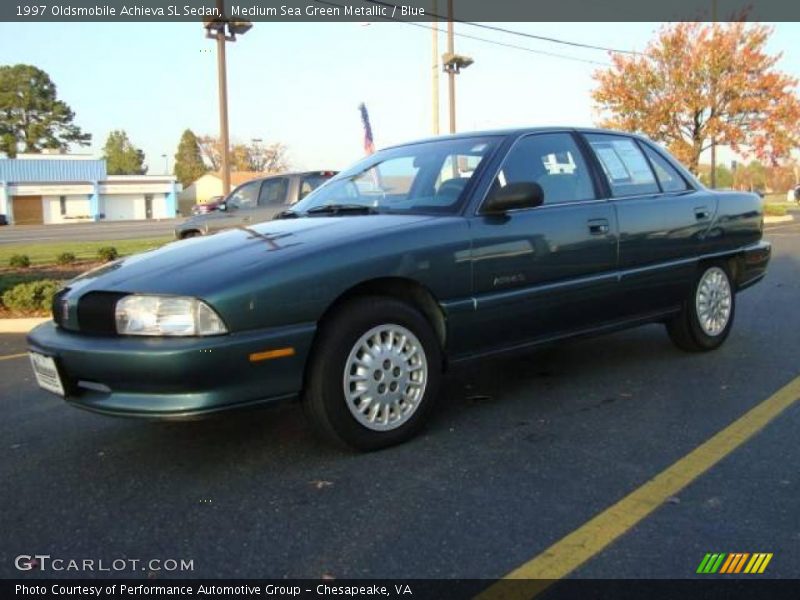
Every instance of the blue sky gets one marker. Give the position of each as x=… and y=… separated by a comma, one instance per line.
x=301, y=83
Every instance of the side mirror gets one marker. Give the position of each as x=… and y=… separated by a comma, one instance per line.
x=223, y=206
x=524, y=194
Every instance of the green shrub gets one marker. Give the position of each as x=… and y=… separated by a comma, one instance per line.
x=774, y=210
x=19, y=261
x=65, y=258
x=31, y=296
x=107, y=253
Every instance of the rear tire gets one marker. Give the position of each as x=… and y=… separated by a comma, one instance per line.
x=373, y=375
x=707, y=314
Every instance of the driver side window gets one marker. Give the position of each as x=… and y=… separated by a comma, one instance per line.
x=246, y=195
x=554, y=161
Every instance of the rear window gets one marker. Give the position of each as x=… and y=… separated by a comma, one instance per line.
x=668, y=176
x=311, y=182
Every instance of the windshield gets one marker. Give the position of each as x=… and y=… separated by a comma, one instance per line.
x=418, y=178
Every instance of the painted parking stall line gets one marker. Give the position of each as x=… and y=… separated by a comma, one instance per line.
x=578, y=547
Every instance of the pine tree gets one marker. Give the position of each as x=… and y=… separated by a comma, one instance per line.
x=31, y=115
x=188, y=161
x=122, y=157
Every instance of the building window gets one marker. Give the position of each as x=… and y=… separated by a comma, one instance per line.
x=62, y=203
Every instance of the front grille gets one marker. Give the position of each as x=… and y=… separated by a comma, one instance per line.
x=57, y=307
x=96, y=312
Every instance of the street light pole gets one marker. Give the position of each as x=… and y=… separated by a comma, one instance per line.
x=453, y=63
x=222, y=76
x=224, y=30
x=166, y=164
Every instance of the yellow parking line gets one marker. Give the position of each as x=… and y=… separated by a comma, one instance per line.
x=569, y=553
x=10, y=356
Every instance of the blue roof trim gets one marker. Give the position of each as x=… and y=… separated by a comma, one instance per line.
x=21, y=170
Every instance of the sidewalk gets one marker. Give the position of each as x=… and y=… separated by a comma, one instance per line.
x=781, y=219
x=21, y=325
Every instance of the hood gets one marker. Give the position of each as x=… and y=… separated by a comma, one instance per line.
x=200, y=265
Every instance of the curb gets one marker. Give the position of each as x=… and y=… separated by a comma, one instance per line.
x=781, y=219
x=21, y=325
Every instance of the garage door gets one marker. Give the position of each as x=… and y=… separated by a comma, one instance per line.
x=28, y=210
x=121, y=208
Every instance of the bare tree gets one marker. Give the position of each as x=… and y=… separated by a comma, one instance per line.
x=259, y=157
x=268, y=158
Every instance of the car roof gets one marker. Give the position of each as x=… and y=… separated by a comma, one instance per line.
x=293, y=174
x=514, y=132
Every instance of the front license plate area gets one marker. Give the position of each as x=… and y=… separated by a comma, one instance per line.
x=46, y=372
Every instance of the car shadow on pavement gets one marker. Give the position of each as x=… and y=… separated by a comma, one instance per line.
x=529, y=383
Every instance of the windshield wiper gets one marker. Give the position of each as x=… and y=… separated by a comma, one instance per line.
x=338, y=209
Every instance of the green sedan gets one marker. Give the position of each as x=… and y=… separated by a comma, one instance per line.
x=357, y=298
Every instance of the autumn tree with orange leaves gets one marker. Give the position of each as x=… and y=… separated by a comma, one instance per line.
x=700, y=81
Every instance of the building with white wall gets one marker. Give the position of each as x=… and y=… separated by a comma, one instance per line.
x=70, y=188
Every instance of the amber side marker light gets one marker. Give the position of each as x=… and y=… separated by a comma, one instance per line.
x=270, y=354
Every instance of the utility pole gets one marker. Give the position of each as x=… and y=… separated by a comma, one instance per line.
x=713, y=96
x=435, y=70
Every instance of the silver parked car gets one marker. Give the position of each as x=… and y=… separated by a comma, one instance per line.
x=254, y=201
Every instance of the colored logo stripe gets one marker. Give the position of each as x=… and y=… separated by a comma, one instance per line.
x=710, y=563
x=758, y=563
x=734, y=562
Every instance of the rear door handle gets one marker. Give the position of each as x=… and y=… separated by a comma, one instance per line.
x=598, y=226
x=701, y=213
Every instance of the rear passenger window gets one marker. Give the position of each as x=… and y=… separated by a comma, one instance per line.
x=552, y=160
x=625, y=166
x=273, y=192
x=668, y=176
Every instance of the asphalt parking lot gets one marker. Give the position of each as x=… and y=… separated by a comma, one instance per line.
x=521, y=453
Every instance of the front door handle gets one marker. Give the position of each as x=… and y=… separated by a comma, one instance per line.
x=701, y=213
x=598, y=226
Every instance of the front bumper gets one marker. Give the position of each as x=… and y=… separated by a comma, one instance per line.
x=174, y=377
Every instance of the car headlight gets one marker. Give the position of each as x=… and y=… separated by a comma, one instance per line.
x=166, y=316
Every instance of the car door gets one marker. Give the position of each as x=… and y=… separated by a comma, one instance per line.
x=272, y=199
x=546, y=271
x=663, y=222
x=239, y=207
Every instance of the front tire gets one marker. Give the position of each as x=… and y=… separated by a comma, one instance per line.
x=374, y=374
x=707, y=314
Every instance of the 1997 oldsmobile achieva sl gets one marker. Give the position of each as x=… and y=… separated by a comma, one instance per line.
x=418, y=256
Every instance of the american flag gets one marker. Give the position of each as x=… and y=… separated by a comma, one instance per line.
x=369, y=142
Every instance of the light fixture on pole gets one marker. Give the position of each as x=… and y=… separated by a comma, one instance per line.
x=224, y=30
